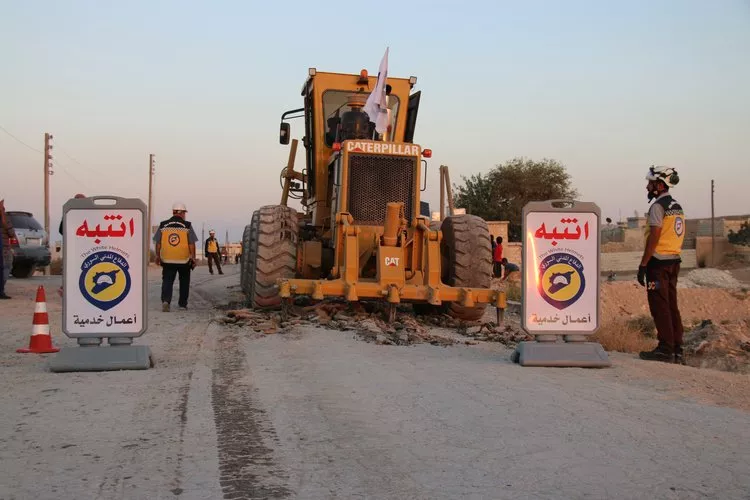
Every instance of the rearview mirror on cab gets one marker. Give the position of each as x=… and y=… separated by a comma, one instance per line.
x=284, y=132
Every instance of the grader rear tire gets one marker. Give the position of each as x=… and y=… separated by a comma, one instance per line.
x=466, y=260
x=273, y=253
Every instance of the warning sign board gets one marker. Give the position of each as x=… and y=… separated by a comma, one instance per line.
x=560, y=268
x=104, y=267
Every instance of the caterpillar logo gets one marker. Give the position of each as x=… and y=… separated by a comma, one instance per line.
x=391, y=261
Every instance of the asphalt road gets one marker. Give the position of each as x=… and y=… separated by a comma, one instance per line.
x=322, y=414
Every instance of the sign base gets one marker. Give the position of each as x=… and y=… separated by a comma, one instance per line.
x=561, y=354
x=95, y=359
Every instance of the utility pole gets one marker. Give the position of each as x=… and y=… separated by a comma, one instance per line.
x=47, y=172
x=151, y=171
x=226, y=243
x=713, y=228
x=442, y=193
x=449, y=190
x=203, y=240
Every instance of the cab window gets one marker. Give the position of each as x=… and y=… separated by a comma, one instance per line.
x=334, y=107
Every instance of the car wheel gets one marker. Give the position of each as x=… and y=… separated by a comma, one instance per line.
x=23, y=270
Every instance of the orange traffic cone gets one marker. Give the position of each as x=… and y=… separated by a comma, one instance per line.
x=40, y=342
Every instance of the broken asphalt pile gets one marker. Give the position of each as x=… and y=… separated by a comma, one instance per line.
x=367, y=321
x=724, y=346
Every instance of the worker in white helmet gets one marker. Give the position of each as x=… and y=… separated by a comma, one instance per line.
x=212, y=253
x=660, y=264
x=175, y=252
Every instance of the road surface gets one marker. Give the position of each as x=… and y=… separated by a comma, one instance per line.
x=317, y=414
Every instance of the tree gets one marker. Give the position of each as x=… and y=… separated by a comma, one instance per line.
x=502, y=193
x=741, y=237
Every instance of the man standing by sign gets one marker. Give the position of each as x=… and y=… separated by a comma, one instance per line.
x=175, y=252
x=660, y=264
x=211, y=251
x=6, y=252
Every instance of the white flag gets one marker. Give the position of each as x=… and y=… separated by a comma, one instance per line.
x=376, y=106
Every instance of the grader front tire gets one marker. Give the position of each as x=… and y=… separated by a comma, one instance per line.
x=467, y=260
x=274, y=255
x=244, y=286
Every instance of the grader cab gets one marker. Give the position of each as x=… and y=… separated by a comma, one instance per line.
x=361, y=235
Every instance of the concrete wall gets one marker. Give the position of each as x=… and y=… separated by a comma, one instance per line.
x=632, y=240
x=513, y=252
x=499, y=228
x=705, y=255
x=615, y=262
x=733, y=225
x=629, y=261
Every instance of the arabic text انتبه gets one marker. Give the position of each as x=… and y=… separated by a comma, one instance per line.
x=112, y=320
x=541, y=232
x=84, y=231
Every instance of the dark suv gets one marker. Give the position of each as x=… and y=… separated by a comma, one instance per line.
x=31, y=249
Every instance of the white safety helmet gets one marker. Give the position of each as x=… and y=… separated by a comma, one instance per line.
x=667, y=175
x=179, y=207
x=211, y=231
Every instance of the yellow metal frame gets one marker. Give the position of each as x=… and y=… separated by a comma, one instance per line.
x=393, y=285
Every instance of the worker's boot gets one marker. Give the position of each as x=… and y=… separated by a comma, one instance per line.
x=679, y=359
x=662, y=353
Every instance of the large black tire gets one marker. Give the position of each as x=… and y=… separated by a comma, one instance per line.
x=23, y=270
x=252, y=250
x=274, y=253
x=466, y=256
x=244, y=284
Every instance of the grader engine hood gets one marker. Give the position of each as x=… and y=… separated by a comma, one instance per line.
x=378, y=173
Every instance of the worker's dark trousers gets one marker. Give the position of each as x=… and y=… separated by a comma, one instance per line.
x=168, y=274
x=661, y=286
x=497, y=269
x=2, y=269
x=215, y=257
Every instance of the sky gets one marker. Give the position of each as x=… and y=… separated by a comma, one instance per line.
x=606, y=88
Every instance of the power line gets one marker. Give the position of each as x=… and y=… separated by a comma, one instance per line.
x=58, y=162
x=73, y=177
x=90, y=168
x=20, y=141
x=74, y=160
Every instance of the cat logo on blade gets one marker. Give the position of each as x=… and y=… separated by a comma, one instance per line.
x=560, y=281
x=391, y=261
x=105, y=279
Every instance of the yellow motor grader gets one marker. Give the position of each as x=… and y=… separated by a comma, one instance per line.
x=362, y=235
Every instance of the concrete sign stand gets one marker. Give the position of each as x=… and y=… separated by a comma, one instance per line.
x=105, y=268
x=560, y=305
